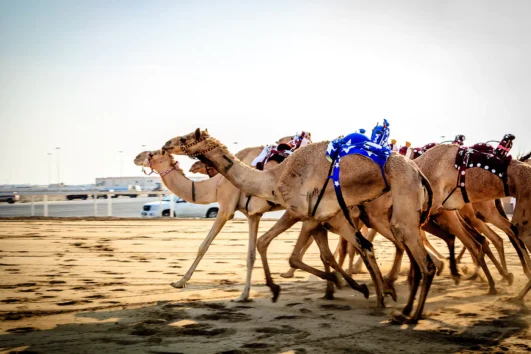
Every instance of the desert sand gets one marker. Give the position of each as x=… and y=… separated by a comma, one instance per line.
x=97, y=286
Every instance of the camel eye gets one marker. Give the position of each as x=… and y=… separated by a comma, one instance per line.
x=183, y=140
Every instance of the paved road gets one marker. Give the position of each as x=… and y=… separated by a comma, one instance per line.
x=122, y=207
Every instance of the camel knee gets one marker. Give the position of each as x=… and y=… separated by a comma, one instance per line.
x=261, y=245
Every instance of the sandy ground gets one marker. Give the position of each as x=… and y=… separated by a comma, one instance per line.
x=74, y=286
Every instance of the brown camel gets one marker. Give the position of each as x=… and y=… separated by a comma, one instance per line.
x=438, y=166
x=296, y=185
x=479, y=213
x=214, y=189
x=526, y=159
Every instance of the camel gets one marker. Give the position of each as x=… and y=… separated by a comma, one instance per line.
x=296, y=184
x=526, y=159
x=479, y=213
x=438, y=164
x=214, y=189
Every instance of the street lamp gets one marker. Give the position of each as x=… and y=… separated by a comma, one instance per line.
x=121, y=161
x=58, y=149
x=49, y=168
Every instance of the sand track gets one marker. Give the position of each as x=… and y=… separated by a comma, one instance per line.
x=92, y=286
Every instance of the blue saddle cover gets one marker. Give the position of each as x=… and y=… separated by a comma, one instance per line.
x=376, y=148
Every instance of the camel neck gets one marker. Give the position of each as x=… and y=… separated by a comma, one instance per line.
x=249, y=180
x=200, y=192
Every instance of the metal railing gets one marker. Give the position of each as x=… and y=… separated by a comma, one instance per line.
x=95, y=195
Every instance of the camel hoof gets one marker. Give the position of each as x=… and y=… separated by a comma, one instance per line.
x=364, y=290
x=275, y=289
x=510, y=278
x=287, y=274
x=399, y=318
x=391, y=292
x=440, y=270
x=242, y=299
x=457, y=279
x=178, y=284
x=492, y=291
x=329, y=295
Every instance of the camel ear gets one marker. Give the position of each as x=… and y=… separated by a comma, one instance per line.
x=197, y=134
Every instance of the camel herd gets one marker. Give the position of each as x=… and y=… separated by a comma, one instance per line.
x=413, y=196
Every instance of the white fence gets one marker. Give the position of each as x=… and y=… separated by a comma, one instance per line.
x=95, y=195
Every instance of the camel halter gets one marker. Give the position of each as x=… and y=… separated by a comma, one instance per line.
x=150, y=160
x=193, y=156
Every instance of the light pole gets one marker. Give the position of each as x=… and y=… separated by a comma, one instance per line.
x=49, y=168
x=58, y=149
x=121, y=161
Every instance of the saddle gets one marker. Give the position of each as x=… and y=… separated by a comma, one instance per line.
x=419, y=151
x=280, y=152
x=495, y=160
x=376, y=148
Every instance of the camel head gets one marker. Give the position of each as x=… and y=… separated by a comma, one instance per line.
x=199, y=167
x=191, y=144
x=157, y=160
x=285, y=139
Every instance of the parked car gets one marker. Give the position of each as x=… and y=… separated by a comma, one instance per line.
x=77, y=196
x=181, y=209
x=10, y=197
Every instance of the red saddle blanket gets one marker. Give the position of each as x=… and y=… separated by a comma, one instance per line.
x=484, y=156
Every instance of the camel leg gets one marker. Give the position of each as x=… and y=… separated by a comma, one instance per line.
x=460, y=255
x=341, y=251
x=519, y=299
x=291, y=272
x=435, y=229
x=351, y=251
x=220, y=221
x=356, y=269
x=320, y=236
x=429, y=246
x=284, y=223
x=253, y=221
x=309, y=228
x=494, y=214
x=450, y=220
x=422, y=272
x=492, y=236
x=329, y=293
x=485, y=244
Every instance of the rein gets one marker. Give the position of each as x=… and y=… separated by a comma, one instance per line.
x=185, y=147
x=150, y=161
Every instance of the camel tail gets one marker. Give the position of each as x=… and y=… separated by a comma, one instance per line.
x=499, y=207
x=425, y=214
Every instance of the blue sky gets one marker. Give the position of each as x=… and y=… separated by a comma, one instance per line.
x=98, y=77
